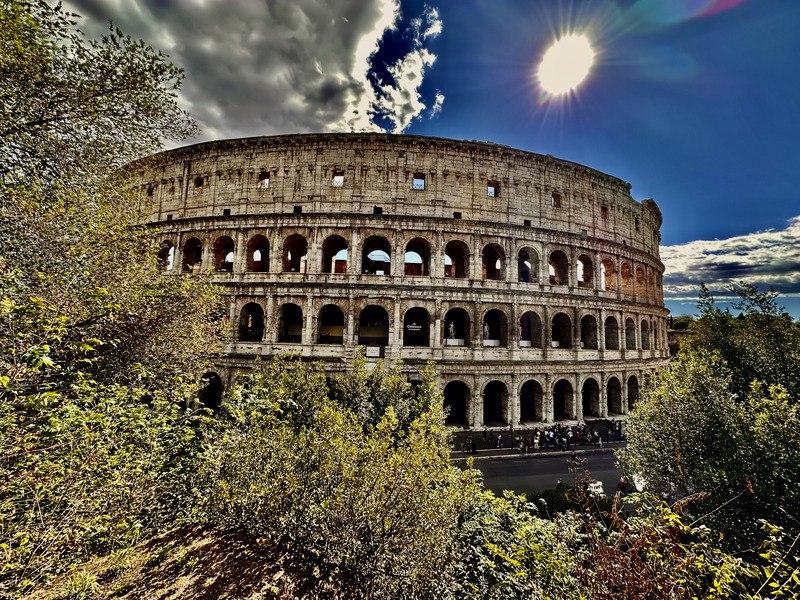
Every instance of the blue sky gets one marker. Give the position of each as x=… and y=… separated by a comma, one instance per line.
x=694, y=102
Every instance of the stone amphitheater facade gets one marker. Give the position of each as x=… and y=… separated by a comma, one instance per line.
x=533, y=284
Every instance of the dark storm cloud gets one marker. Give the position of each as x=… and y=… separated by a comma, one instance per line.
x=765, y=258
x=276, y=66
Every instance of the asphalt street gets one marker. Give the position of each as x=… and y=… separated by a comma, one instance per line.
x=541, y=471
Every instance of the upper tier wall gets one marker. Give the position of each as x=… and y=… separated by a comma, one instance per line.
x=359, y=173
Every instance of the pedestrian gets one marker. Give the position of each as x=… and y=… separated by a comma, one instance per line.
x=499, y=440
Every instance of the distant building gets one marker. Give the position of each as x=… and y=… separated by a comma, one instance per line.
x=534, y=284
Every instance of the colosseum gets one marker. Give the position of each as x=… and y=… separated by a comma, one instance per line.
x=533, y=284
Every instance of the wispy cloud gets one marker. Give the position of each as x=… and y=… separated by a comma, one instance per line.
x=764, y=258
x=284, y=66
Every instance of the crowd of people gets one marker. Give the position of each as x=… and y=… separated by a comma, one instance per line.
x=555, y=437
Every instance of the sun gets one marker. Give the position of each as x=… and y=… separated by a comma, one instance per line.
x=566, y=64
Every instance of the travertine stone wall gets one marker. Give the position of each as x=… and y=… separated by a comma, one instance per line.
x=551, y=310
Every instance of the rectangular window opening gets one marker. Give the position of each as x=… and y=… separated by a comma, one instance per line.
x=492, y=189
x=338, y=178
x=527, y=222
x=604, y=212
x=263, y=180
x=377, y=210
x=298, y=210
x=226, y=212
x=456, y=215
x=418, y=182
x=169, y=217
x=555, y=200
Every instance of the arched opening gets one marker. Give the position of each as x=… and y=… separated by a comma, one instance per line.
x=331, y=325
x=290, y=324
x=559, y=268
x=417, y=259
x=373, y=326
x=251, y=323
x=563, y=401
x=334, y=254
x=645, y=335
x=224, y=254
x=210, y=394
x=627, y=279
x=590, y=398
x=495, y=328
x=295, y=254
x=166, y=256
x=258, y=254
x=630, y=334
x=530, y=330
x=612, y=333
x=608, y=276
x=531, y=402
x=456, y=259
x=527, y=260
x=416, y=327
x=641, y=286
x=376, y=258
x=456, y=327
x=561, y=331
x=456, y=403
x=633, y=392
x=614, y=396
x=651, y=286
x=585, y=272
x=192, y=255
x=589, y=332
x=495, y=404
x=494, y=262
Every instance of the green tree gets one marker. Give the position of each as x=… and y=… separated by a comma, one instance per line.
x=761, y=343
x=691, y=435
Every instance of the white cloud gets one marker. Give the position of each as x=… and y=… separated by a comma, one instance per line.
x=437, y=104
x=283, y=66
x=764, y=258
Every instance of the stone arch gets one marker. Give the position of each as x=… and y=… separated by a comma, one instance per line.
x=373, y=326
x=585, y=272
x=166, y=256
x=457, y=327
x=456, y=403
x=614, y=396
x=416, y=327
x=590, y=398
x=641, y=284
x=627, y=279
x=633, y=392
x=558, y=266
x=224, y=254
x=530, y=329
x=608, y=275
x=531, y=402
x=210, y=394
x=630, y=334
x=589, y=332
x=295, y=254
x=645, y=334
x=251, y=323
x=611, y=333
x=494, y=262
x=456, y=259
x=376, y=256
x=495, y=328
x=561, y=331
x=527, y=265
x=495, y=403
x=651, y=286
x=258, y=254
x=192, y=255
x=331, y=325
x=335, y=253
x=563, y=401
x=290, y=323
x=417, y=258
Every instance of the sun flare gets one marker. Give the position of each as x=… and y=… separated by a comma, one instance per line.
x=566, y=64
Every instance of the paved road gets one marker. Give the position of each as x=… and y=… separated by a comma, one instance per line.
x=540, y=472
